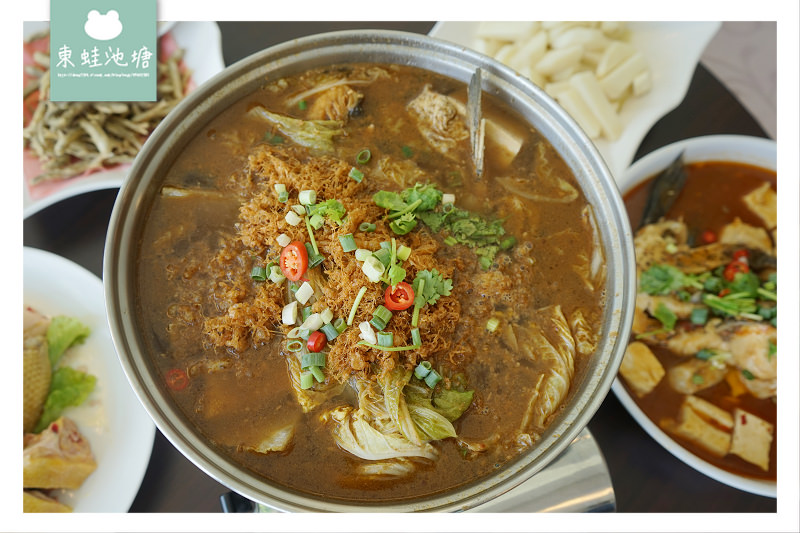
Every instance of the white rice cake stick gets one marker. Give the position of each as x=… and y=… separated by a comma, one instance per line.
x=589, y=38
x=614, y=54
x=557, y=60
x=506, y=31
x=572, y=102
x=752, y=438
x=618, y=80
x=530, y=52
x=591, y=92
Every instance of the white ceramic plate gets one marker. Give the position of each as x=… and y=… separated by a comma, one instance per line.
x=737, y=148
x=112, y=419
x=203, y=44
x=672, y=49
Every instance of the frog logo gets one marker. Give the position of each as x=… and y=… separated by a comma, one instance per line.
x=102, y=27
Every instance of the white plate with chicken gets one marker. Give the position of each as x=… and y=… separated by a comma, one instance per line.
x=700, y=372
x=101, y=446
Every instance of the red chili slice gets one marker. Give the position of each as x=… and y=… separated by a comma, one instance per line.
x=401, y=298
x=177, y=379
x=709, y=237
x=316, y=341
x=294, y=260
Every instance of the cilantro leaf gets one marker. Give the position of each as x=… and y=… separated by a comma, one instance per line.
x=664, y=279
x=389, y=200
x=332, y=209
x=666, y=316
x=435, y=286
x=404, y=224
x=429, y=195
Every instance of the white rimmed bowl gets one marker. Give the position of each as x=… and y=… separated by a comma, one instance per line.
x=755, y=151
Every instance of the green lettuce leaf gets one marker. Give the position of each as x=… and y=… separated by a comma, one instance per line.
x=62, y=333
x=68, y=388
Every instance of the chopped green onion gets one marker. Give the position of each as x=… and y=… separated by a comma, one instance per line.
x=306, y=380
x=403, y=253
x=407, y=151
x=385, y=339
x=388, y=348
x=275, y=274
x=348, y=242
x=353, y=309
x=340, y=325
x=329, y=331
x=367, y=227
x=310, y=359
x=383, y=314
x=492, y=323
x=508, y=242
x=283, y=197
x=280, y=187
x=304, y=333
x=307, y=197
x=699, y=316
x=316, y=221
x=302, y=105
x=697, y=379
x=415, y=337
x=450, y=240
x=485, y=262
x=747, y=374
x=423, y=369
x=363, y=156
x=273, y=139
x=432, y=378
x=304, y=293
x=259, y=273
x=327, y=315
x=356, y=175
x=362, y=254
x=294, y=345
x=705, y=354
x=292, y=218
x=305, y=312
x=384, y=256
x=373, y=268
x=317, y=373
x=378, y=323
x=419, y=301
x=386, y=245
x=299, y=209
x=312, y=239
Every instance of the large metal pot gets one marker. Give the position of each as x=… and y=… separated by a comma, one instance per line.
x=383, y=47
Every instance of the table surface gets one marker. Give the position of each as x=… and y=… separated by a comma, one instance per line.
x=646, y=478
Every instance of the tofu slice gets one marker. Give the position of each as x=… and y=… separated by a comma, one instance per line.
x=693, y=426
x=752, y=438
x=763, y=201
x=641, y=369
x=710, y=412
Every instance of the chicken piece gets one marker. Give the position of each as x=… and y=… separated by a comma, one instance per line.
x=699, y=259
x=752, y=438
x=641, y=369
x=749, y=345
x=680, y=308
x=439, y=121
x=695, y=426
x=34, y=501
x=763, y=201
x=335, y=103
x=36, y=369
x=57, y=458
x=689, y=342
x=695, y=375
x=739, y=233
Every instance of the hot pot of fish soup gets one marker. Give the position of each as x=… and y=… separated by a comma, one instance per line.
x=323, y=305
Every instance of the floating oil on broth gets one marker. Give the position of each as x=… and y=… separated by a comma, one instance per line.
x=508, y=329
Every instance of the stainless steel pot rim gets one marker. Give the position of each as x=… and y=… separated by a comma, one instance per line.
x=367, y=46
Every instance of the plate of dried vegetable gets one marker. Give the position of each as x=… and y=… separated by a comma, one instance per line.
x=71, y=148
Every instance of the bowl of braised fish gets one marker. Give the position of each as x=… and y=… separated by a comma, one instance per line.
x=369, y=271
x=700, y=372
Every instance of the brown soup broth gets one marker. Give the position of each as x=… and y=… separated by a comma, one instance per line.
x=233, y=394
